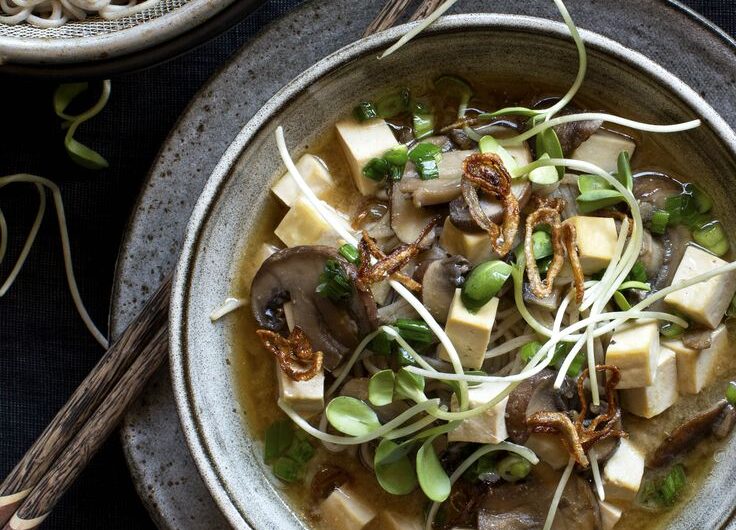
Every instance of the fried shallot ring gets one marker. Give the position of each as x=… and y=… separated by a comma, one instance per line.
x=391, y=264
x=563, y=237
x=485, y=171
x=578, y=437
x=293, y=353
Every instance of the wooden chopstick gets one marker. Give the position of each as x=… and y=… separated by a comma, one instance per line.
x=93, y=395
x=387, y=16
x=426, y=8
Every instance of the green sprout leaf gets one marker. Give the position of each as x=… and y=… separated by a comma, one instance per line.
x=393, y=468
x=381, y=388
x=624, y=175
x=64, y=95
x=488, y=144
x=548, y=143
x=409, y=386
x=351, y=416
x=432, y=477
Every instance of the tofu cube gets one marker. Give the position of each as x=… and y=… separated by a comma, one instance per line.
x=361, y=142
x=304, y=225
x=469, y=332
x=345, y=510
x=695, y=368
x=305, y=397
x=634, y=350
x=315, y=174
x=476, y=248
x=603, y=148
x=596, y=241
x=549, y=449
x=486, y=428
x=623, y=472
x=610, y=515
x=388, y=520
x=649, y=401
x=705, y=302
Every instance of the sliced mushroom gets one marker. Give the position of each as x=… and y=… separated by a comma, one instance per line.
x=524, y=505
x=725, y=422
x=460, y=213
x=439, y=282
x=654, y=188
x=687, y=435
x=530, y=396
x=551, y=302
x=407, y=220
x=571, y=135
x=652, y=254
x=461, y=140
x=293, y=275
x=697, y=338
x=674, y=241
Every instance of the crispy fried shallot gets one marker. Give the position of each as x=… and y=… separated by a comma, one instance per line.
x=485, y=171
x=294, y=353
x=563, y=236
x=391, y=264
x=581, y=435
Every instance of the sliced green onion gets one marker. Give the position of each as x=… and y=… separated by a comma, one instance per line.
x=703, y=202
x=334, y=283
x=455, y=89
x=621, y=301
x=287, y=469
x=279, y=437
x=671, y=330
x=673, y=484
x=660, y=218
x=731, y=393
x=624, y=175
x=397, y=156
x=381, y=344
x=426, y=158
x=404, y=358
x=414, y=331
x=422, y=120
x=548, y=143
x=483, y=283
x=597, y=199
x=393, y=104
x=513, y=468
x=541, y=244
x=350, y=253
x=638, y=273
x=529, y=350
x=712, y=237
x=364, y=111
x=301, y=451
x=483, y=468
x=642, y=286
x=377, y=169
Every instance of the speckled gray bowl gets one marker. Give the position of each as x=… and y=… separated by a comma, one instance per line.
x=519, y=48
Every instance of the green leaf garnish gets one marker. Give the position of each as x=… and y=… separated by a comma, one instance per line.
x=393, y=468
x=351, y=416
x=432, y=477
x=381, y=388
x=409, y=386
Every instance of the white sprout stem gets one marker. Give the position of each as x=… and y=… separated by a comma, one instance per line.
x=350, y=238
x=593, y=457
x=610, y=270
x=520, y=450
x=332, y=448
x=609, y=118
x=351, y=362
x=420, y=26
x=509, y=346
x=65, y=246
x=26, y=246
x=558, y=495
x=228, y=306
x=356, y=440
x=413, y=427
x=3, y=236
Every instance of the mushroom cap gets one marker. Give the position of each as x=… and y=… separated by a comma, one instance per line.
x=293, y=275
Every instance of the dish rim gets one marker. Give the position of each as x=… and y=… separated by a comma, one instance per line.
x=195, y=439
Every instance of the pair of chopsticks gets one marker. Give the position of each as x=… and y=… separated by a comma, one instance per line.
x=58, y=456
x=55, y=460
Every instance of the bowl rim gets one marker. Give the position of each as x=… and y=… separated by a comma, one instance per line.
x=195, y=438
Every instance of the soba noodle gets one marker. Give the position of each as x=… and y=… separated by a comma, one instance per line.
x=54, y=13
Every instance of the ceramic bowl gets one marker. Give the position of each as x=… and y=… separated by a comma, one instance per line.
x=524, y=49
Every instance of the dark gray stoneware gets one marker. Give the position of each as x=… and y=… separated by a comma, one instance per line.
x=512, y=47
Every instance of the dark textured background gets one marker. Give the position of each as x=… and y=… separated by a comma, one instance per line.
x=44, y=348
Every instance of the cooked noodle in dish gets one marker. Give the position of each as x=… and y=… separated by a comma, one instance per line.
x=487, y=319
x=54, y=13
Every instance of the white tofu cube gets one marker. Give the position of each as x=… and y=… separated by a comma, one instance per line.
x=704, y=302
x=315, y=174
x=361, y=142
x=476, y=248
x=649, y=401
x=469, y=332
x=603, y=148
x=345, y=510
x=263, y=253
x=304, y=225
x=549, y=449
x=388, y=520
x=695, y=368
x=596, y=241
x=486, y=428
x=610, y=515
x=634, y=350
x=623, y=472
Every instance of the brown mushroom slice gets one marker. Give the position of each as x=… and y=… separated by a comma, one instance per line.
x=697, y=338
x=687, y=435
x=550, y=302
x=531, y=395
x=439, y=282
x=654, y=188
x=409, y=221
x=460, y=212
x=524, y=505
x=293, y=275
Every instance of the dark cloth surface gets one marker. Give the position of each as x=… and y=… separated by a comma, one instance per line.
x=45, y=350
